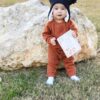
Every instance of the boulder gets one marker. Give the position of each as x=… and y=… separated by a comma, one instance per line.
x=21, y=42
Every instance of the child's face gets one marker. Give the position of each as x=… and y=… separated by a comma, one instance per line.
x=59, y=11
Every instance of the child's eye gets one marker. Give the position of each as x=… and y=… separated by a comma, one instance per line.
x=56, y=8
x=62, y=8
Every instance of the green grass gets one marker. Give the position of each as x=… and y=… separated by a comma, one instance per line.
x=17, y=83
x=29, y=84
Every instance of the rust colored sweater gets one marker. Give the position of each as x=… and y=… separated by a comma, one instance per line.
x=54, y=29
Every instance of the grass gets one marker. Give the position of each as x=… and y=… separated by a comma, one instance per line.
x=29, y=84
x=16, y=83
x=9, y=2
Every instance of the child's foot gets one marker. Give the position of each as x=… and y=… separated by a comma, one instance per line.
x=50, y=81
x=75, y=78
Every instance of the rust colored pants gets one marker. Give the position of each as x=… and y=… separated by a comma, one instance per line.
x=55, y=55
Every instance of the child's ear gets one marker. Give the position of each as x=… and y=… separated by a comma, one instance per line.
x=67, y=17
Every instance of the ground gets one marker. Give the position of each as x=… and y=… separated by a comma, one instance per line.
x=29, y=84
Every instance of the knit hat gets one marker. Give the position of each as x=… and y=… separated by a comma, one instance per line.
x=66, y=3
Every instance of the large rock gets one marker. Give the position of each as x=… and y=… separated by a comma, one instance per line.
x=21, y=42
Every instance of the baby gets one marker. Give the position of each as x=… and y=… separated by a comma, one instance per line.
x=59, y=23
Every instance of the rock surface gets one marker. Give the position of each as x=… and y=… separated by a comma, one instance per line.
x=21, y=42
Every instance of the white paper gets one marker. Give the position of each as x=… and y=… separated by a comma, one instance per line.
x=69, y=44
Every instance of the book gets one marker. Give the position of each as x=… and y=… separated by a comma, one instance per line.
x=69, y=44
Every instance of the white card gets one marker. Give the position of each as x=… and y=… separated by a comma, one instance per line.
x=69, y=44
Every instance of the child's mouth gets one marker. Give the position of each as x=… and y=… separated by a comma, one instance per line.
x=59, y=15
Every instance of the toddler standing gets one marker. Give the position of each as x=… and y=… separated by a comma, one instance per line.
x=59, y=23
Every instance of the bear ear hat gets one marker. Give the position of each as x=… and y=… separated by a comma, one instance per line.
x=68, y=1
x=67, y=4
x=72, y=1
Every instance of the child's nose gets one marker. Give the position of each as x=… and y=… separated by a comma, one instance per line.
x=59, y=10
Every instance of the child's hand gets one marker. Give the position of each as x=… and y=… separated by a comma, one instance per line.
x=74, y=34
x=53, y=41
